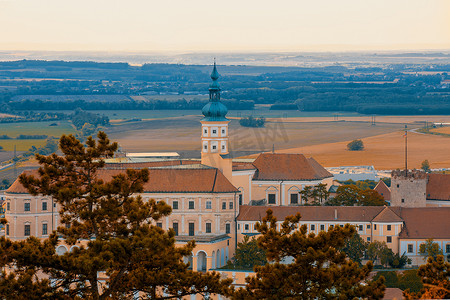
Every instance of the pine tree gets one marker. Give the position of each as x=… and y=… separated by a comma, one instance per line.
x=319, y=269
x=121, y=251
x=435, y=276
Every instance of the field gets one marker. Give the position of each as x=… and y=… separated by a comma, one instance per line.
x=320, y=137
x=386, y=151
x=445, y=130
x=183, y=133
x=15, y=129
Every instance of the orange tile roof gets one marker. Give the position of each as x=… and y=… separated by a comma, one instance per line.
x=239, y=166
x=387, y=215
x=277, y=166
x=312, y=213
x=438, y=187
x=167, y=181
x=425, y=222
x=150, y=164
x=383, y=190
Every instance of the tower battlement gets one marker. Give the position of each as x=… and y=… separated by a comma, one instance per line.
x=410, y=174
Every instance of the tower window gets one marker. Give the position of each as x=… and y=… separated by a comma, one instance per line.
x=205, y=131
x=223, y=131
x=403, y=200
x=214, y=147
x=227, y=228
x=205, y=147
x=214, y=131
x=223, y=147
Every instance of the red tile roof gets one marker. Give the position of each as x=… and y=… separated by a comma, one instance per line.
x=277, y=166
x=167, y=181
x=383, y=190
x=438, y=187
x=388, y=216
x=425, y=222
x=312, y=213
x=150, y=164
x=239, y=166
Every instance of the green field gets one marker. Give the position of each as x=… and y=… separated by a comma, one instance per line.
x=21, y=145
x=15, y=129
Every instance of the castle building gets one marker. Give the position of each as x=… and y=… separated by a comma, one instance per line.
x=205, y=194
x=218, y=199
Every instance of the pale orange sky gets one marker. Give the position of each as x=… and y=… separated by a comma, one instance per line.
x=232, y=25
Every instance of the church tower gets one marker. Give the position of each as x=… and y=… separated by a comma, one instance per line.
x=215, y=130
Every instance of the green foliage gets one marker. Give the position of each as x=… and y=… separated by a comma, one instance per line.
x=319, y=269
x=396, y=261
x=355, y=248
x=248, y=255
x=430, y=249
x=435, y=275
x=5, y=183
x=355, y=145
x=379, y=253
x=79, y=118
x=252, y=122
x=403, y=280
x=426, y=166
x=314, y=195
x=362, y=184
x=350, y=195
x=121, y=240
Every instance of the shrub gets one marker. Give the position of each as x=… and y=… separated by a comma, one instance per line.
x=355, y=145
x=252, y=122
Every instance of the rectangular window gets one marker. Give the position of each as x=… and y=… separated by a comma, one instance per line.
x=246, y=227
x=230, y=205
x=447, y=248
x=271, y=198
x=240, y=199
x=27, y=206
x=44, y=229
x=360, y=227
x=7, y=229
x=410, y=248
x=175, y=228
x=389, y=227
x=322, y=227
x=374, y=226
x=191, y=204
x=159, y=224
x=214, y=131
x=44, y=205
x=27, y=230
x=389, y=239
x=239, y=226
x=368, y=226
x=175, y=205
x=313, y=227
x=368, y=238
x=8, y=206
x=191, y=229
x=224, y=205
x=208, y=204
x=294, y=198
x=208, y=228
x=227, y=228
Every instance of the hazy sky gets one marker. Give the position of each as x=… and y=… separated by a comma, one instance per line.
x=227, y=25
